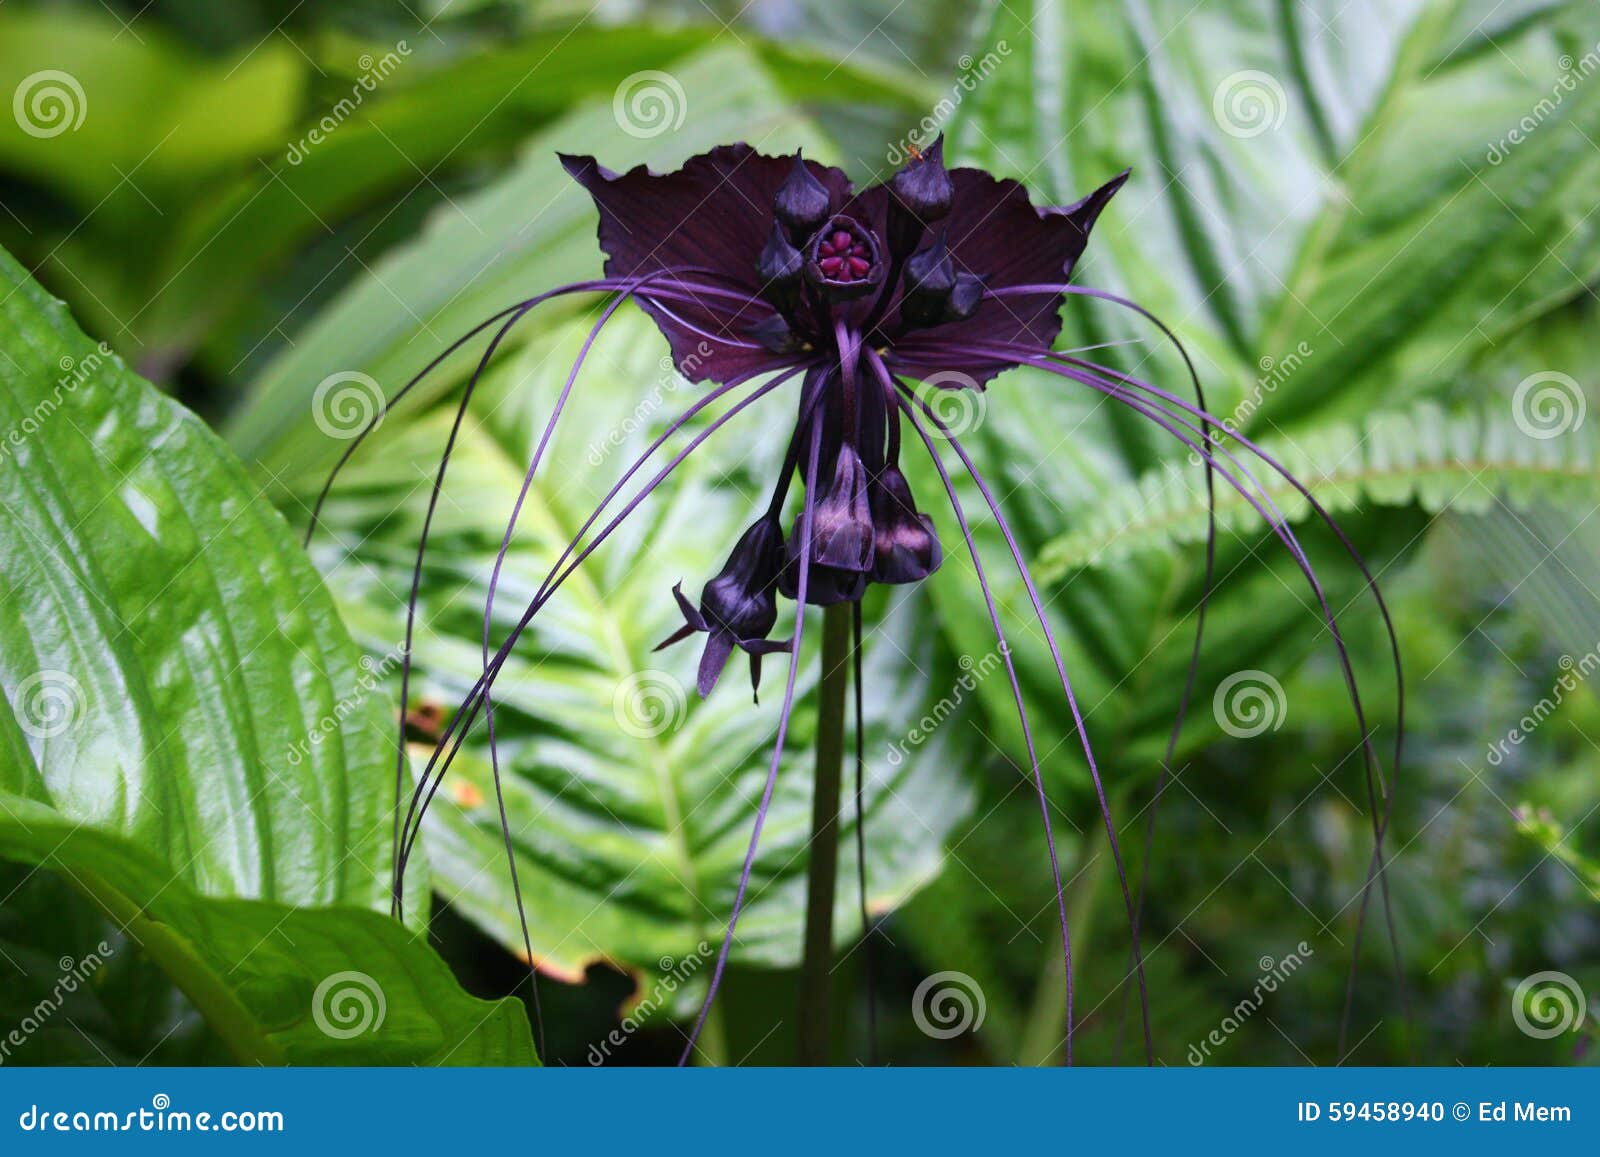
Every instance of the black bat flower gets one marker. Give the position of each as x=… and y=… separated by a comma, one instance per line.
x=761, y=269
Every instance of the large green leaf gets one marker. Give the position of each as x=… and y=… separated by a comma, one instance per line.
x=277, y=984
x=173, y=671
x=187, y=723
x=1326, y=231
x=630, y=800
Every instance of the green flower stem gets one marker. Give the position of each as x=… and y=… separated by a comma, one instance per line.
x=816, y=969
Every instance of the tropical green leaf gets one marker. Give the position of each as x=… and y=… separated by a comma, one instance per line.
x=277, y=984
x=173, y=671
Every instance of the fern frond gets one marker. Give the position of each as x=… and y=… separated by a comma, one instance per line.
x=1424, y=456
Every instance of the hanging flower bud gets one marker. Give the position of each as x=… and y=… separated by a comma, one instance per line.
x=802, y=203
x=906, y=547
x=930, y=278
x=964, y=298
x=737, y=608
x=920, y=193
x=775, y=335
x=841, y=534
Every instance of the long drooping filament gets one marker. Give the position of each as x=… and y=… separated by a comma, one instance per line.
x=807, y=518
x=892, y=398
x=1122, y=388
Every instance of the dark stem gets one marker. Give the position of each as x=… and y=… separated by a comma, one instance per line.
x=816, y=969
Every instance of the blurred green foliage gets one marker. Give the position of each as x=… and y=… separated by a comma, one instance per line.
x=1339, y=207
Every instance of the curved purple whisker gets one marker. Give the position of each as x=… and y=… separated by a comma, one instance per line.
x=807, y=518
x=1380, y=815
x=598, y=285
x=1066, y=686
x=462, y=718
x=891, y=396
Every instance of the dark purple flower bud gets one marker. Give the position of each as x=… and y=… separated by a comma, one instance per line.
x=776, y=335
x=923, y=186
x=841, y=533
x=907, y=548
x=741, y=600
x=738, y=607
x=843, y=260
x=930, y=278
x=825, y=585
x=780, y=263
x=920, y=193
x=964, y=298
x=802, y=203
